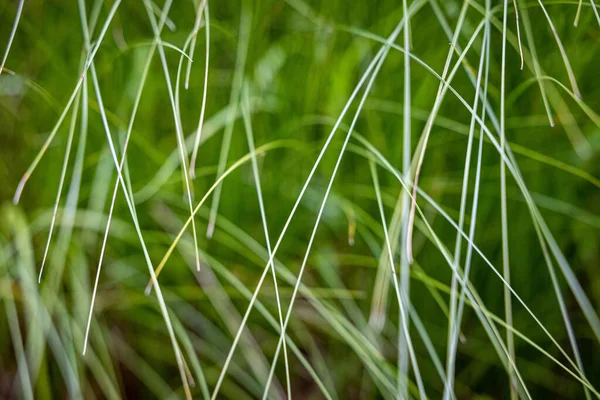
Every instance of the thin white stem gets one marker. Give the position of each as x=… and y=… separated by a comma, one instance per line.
x=193, y=44
x=202, y=109
x=61, y=181
x=403, y=337
x=13, y=32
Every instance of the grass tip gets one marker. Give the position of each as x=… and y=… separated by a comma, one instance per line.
x=210, y=229
x=148, y=289
x=19, y=190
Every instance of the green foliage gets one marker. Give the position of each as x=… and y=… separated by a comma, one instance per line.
x=290, y=150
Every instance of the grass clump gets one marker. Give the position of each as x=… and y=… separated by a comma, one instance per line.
x=300, y=199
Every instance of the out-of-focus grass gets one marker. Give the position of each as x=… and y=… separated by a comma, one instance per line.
x=517, y=316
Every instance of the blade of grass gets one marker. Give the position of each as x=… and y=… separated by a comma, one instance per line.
x=563, y=54
x=402, y=301
x=504, y=210
x=404, y=345
x=250, y=138
x=17, y=340
x=61, y=181
x=236, y=86
x=197, y=23
x=203, y=107
x=13, y=32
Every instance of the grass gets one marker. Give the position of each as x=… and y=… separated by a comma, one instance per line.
x=400, y=201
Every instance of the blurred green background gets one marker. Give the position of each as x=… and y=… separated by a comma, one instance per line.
x=304, y=59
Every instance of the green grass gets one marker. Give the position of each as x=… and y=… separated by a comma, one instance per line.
x=299, y=199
